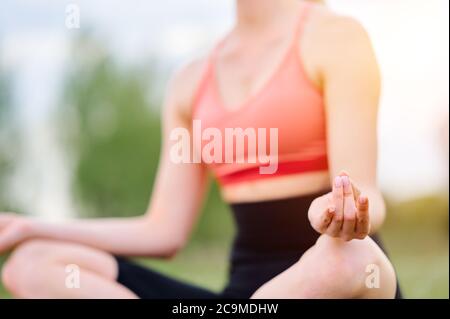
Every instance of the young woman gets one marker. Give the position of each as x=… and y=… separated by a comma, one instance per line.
x=305, y=231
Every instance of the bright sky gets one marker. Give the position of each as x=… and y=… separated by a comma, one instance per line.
x=410, y=38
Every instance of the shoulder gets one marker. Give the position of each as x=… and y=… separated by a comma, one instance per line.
x=331, y=28
x=331, y=39
x=184, y=84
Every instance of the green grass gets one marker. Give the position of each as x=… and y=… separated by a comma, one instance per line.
x=204, y=265
x=421, y=261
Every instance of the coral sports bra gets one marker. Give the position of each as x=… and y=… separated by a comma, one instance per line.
x=280, y=130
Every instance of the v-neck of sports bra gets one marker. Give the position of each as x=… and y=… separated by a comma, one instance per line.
x=254, y=96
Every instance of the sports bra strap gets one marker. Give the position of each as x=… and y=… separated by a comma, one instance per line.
x=305, y=9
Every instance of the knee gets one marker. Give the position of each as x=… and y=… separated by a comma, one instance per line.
x=341, y=262
x=20, y=272
x=358, y=265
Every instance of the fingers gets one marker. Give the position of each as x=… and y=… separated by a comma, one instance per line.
x=321, y=213
x=363, y=220
x=338, y=200
x=348, y=227
x=326, y=219
x=343, y=173
x=356, y=191
x=347, y=216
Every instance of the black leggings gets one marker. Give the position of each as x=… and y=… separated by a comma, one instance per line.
x=271, y=237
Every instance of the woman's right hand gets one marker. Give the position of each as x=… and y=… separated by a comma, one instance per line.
x=14, y=229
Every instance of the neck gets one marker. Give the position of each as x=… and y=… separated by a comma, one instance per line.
x=256, y=14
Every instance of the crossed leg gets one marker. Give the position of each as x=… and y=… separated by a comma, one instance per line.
x=37, y=269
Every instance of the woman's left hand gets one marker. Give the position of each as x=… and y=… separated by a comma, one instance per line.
x=342, y=213
x=14, y=229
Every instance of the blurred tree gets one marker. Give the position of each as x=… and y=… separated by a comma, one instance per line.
x=113, y=133
x=112, y=129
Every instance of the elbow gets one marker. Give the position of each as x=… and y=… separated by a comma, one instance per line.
x=164, y=249
x=171, y=251
x=163, y=239
x=172, y=247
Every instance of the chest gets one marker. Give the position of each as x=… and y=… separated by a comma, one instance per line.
x=241, y=74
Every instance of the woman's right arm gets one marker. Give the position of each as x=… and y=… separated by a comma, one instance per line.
x=174, y=206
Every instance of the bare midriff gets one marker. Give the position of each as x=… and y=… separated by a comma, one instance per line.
x=278, y=187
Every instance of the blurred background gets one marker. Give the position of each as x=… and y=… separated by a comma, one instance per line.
x=80, y=132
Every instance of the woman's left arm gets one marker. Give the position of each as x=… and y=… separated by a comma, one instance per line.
x=351, y=87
